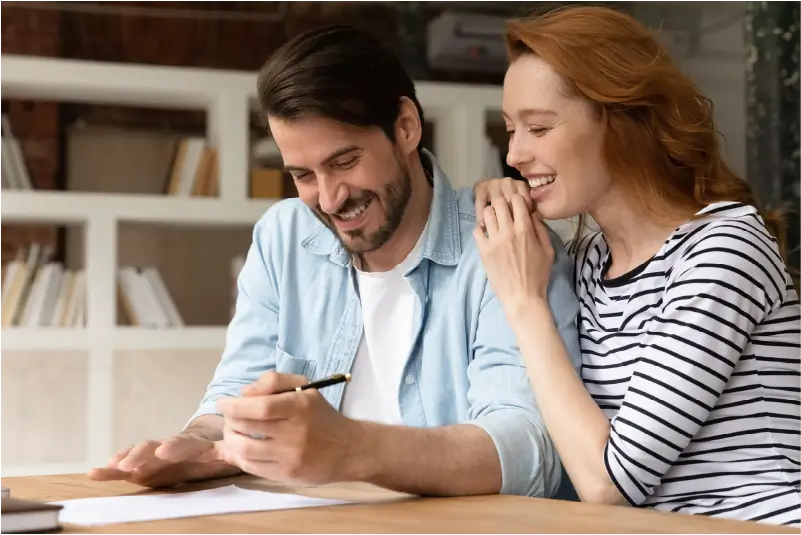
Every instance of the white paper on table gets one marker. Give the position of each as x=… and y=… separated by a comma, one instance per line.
x=230, y=499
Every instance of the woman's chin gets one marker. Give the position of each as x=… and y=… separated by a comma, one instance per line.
x=554, y=211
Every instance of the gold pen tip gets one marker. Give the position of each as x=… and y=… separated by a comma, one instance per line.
x=347, y=377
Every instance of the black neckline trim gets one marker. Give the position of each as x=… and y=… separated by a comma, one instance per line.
x=625, y=278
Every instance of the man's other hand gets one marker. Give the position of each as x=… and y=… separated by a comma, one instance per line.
x=181, y=458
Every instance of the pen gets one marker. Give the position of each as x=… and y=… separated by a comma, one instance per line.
x=322, y=383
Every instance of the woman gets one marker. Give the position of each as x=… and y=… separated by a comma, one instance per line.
x=689, y=323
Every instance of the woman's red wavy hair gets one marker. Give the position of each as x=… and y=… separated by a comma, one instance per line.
x=660, y=139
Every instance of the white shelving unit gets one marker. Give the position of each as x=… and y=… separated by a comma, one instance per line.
x=458, y=112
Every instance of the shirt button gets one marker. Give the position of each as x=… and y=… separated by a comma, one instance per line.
x=410, y=379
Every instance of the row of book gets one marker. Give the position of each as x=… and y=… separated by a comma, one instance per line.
x=37, y=292
x=194, y=170
x=15, y=173
x=144, y=298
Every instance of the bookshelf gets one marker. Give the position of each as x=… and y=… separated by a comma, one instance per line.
x=459, y=113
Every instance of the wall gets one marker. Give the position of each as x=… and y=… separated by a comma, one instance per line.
x=716, y=64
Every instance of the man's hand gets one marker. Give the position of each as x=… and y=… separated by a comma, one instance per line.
x=305, y=440
x=181, y=458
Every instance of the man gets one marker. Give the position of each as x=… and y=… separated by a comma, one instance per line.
x=372, y=271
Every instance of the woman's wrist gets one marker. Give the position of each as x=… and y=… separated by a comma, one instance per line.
x=530, y=311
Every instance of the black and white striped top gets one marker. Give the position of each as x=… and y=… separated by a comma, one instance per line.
x=694, y=358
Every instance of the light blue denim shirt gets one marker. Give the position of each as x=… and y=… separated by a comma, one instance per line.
x=298, y=312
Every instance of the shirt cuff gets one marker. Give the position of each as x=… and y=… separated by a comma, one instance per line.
x=529, y=465
x=206, y=408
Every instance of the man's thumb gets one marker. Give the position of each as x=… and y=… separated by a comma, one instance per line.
x=182, y=448
x=216, y=452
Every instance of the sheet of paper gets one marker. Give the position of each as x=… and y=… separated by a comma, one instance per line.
x=230, y=499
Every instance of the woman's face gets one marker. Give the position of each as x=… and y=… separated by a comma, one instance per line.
x=555, y=140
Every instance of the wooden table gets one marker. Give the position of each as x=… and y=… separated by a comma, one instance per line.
x=381, y=511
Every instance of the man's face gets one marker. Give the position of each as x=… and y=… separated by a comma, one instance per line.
x=354, y=179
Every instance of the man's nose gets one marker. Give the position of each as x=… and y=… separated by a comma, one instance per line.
x=332, y=194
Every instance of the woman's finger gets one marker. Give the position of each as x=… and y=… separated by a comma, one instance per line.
x=482, y=200
x=503, y=215
x=524, y=190
x=490, y=221
x=481, y=239
x=542, y=234
x=520, y=214
x=521, y=188
x=485, y=191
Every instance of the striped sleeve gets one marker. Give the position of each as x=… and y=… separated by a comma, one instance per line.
x=719, y=290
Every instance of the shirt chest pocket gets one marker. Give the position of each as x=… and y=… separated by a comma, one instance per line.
x=290, y=364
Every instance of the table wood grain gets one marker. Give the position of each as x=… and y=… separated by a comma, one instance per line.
x=381, y=511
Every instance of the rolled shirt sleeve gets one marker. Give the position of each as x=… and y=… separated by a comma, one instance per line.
x=502, y=402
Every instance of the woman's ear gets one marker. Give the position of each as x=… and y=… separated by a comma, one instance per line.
x=408, y=128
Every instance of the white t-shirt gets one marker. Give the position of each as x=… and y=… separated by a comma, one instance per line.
x=390, y=310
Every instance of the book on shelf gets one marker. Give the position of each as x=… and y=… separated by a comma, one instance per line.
x=194, y=169
x=37, y=292
x=15, y=173
x=266, y=183
x=144, y=298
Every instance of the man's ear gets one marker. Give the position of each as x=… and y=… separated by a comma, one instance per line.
x=408, y=128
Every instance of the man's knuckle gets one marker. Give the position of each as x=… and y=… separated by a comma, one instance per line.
x=270, y=380
x=293, y=460
x=247, y=448
x=264, y=410
x=309, y=399
x=287, y=473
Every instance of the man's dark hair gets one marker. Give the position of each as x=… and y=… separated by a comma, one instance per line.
x=339, y=73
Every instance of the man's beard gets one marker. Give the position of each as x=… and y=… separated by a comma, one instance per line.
x=394, y=199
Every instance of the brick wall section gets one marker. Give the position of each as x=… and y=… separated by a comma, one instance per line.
x=202, y=42
x=223, y=43
x=35, y=124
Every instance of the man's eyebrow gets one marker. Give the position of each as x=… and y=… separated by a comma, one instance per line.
x=333, y=156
